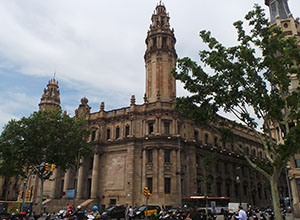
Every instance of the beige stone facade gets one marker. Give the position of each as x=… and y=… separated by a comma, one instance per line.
x=149, y=144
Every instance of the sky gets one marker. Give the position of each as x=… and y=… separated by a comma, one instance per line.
x=96, y=48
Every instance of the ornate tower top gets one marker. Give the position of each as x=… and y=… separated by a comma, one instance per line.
x=279, y=9
x=160, y=58
x=280, y=15
x=51, y=97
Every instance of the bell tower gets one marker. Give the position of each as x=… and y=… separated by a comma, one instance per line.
x=51, y=97
x=281, y=15
x=160, y=57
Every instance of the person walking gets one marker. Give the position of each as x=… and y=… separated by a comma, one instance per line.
x=130, y=213
x=242, y=214
x=126, y=211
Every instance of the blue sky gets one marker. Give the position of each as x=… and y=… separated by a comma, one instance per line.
x=96, y=47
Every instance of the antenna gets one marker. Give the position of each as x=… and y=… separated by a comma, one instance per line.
x=54, y=75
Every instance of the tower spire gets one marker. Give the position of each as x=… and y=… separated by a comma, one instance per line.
x=51, y=97
x=160, y=57
x=279, y=9
x=281, y=15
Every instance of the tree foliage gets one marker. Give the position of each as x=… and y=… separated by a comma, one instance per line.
x=252, y=81
x=45, y=136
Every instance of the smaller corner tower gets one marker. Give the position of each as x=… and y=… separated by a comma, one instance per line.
x=160, y=57
x=51, y=97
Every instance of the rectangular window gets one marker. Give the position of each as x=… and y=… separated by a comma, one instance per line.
x=91, y=163
x=196, y=135
x=127, y=130
x=167, y=156
x=198, y=186
x=166, y=127
x=149, y=184
x=208, y=187
x=93, y=135
x=297, y=162
x=219, y=189
x=117, y=132
x=198, y=160
x=236, y=189
x=226, y=167
x=108, y=134
x=167, y=185
x=150, y=128
x=217, y=167
x=164, y=40
x=245, y=190
x=227, y=189
x=216, y=141
x=206, y=139
x=149, y=156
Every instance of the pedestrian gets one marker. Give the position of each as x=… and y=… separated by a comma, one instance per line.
x=242, y=214
x=130, y=213
x=126, y=211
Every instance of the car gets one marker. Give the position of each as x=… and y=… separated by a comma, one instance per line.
x=117, y=212
x=140, y=212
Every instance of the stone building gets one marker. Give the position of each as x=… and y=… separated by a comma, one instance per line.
x=149, y=144
x=280, y=15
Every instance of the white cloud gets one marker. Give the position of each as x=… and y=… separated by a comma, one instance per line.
x=97, y=47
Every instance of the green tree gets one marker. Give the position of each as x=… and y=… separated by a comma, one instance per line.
x=48, y=136
x=252, y=82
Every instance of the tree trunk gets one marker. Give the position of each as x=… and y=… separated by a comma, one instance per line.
x=275, y=198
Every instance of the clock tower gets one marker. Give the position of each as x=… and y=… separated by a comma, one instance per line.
x=160, y=58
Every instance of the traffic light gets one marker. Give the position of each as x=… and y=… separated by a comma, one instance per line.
x=47, y=166
x=147, y=191
x=28, y=193
x=52, y=167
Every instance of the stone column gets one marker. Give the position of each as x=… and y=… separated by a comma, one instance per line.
x=144, y=161
x=67, y=181
x=155, y=171
x=95, y=176
x=157, y=128
x=80, y=192
x=54, y=184
x=178, y=178
x=174, y=177
x=161, y=179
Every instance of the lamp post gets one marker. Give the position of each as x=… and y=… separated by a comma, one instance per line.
x=289, y=190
